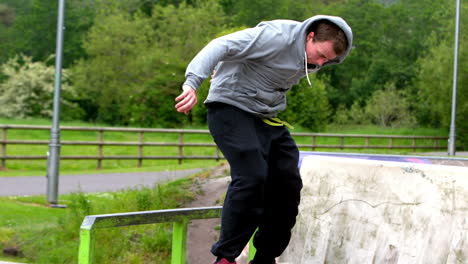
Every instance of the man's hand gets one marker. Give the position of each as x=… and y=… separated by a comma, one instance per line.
x=186, y=100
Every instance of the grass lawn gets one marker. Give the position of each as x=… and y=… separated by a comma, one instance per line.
x=19, y=217
x=70, y=171
x=40, y=234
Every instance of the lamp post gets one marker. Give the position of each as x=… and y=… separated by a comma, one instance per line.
x=452, y=136
x=54, y=145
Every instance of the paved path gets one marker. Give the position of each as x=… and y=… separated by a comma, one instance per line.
x=37, y=185
x=460, y=154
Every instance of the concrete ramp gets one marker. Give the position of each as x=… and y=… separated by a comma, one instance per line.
x=358, y=211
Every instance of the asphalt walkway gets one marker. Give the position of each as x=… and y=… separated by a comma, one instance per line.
x=106, y=182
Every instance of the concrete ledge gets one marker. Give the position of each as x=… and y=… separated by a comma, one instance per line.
x=369, y=211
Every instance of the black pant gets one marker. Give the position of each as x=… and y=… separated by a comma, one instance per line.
x=265, y=188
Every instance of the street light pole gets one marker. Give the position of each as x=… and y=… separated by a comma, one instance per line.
x=451, y=147
x=54, y=146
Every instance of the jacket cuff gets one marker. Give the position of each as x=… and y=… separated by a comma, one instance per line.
x=193, y=81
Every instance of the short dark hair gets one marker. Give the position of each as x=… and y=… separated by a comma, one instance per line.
x=326, y=30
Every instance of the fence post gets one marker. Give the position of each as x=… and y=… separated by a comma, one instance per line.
x=341, y=142
x=391, y=143
x=140, y=148
x=3, y=153
x=313, y=143
x=179, y=242
x=436, y=143
x=181, y=147
x=367, y=142
x=100, y=146
x=414, y=144
x=217, y=153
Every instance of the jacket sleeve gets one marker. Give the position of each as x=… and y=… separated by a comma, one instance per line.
x=247, y=44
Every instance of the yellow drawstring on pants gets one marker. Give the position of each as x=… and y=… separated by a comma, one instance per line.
x=274, y=121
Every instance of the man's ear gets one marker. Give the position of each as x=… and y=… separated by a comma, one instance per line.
x=310, y=36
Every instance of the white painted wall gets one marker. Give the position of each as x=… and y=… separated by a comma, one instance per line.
x=357, y=211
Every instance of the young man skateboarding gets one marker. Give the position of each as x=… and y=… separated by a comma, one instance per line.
x=254, y=69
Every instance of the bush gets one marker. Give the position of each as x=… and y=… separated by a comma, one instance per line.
x=28, y=90
x=354, y=116
x=307, y=107
x=386, y=108
x=389, y=107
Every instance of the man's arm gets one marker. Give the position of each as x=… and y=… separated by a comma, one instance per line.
x=245, y=44
x=235, y=46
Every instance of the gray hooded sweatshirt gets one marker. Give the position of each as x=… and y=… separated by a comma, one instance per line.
x=255, y=67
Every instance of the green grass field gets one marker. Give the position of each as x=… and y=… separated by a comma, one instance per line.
x=41, y=234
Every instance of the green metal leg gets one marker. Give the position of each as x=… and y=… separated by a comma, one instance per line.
x=252, y=249
x=179, y=243
x=86, y=252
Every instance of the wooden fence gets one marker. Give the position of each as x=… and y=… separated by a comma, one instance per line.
x=393, y=142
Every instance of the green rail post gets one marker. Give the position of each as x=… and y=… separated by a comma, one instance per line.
x=86, y=251
x=252, y=249
x=179, y=242
x=180, y=218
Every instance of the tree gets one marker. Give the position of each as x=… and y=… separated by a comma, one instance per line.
x=137, y=62
x=388, y=40
x=434, y=84
x=180, y=33
x=34, y=29
x=28, y=90
x=250, y=13
x=120, y=57
x=7, y=15
x=7, y=18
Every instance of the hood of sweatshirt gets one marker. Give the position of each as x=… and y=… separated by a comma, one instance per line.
x=335, y=20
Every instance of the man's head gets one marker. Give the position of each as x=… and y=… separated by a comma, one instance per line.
x=324, y=42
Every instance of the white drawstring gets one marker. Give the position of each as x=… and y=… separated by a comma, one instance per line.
x=305, y=67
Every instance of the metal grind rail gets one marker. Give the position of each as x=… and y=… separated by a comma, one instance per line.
x=179, y=217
